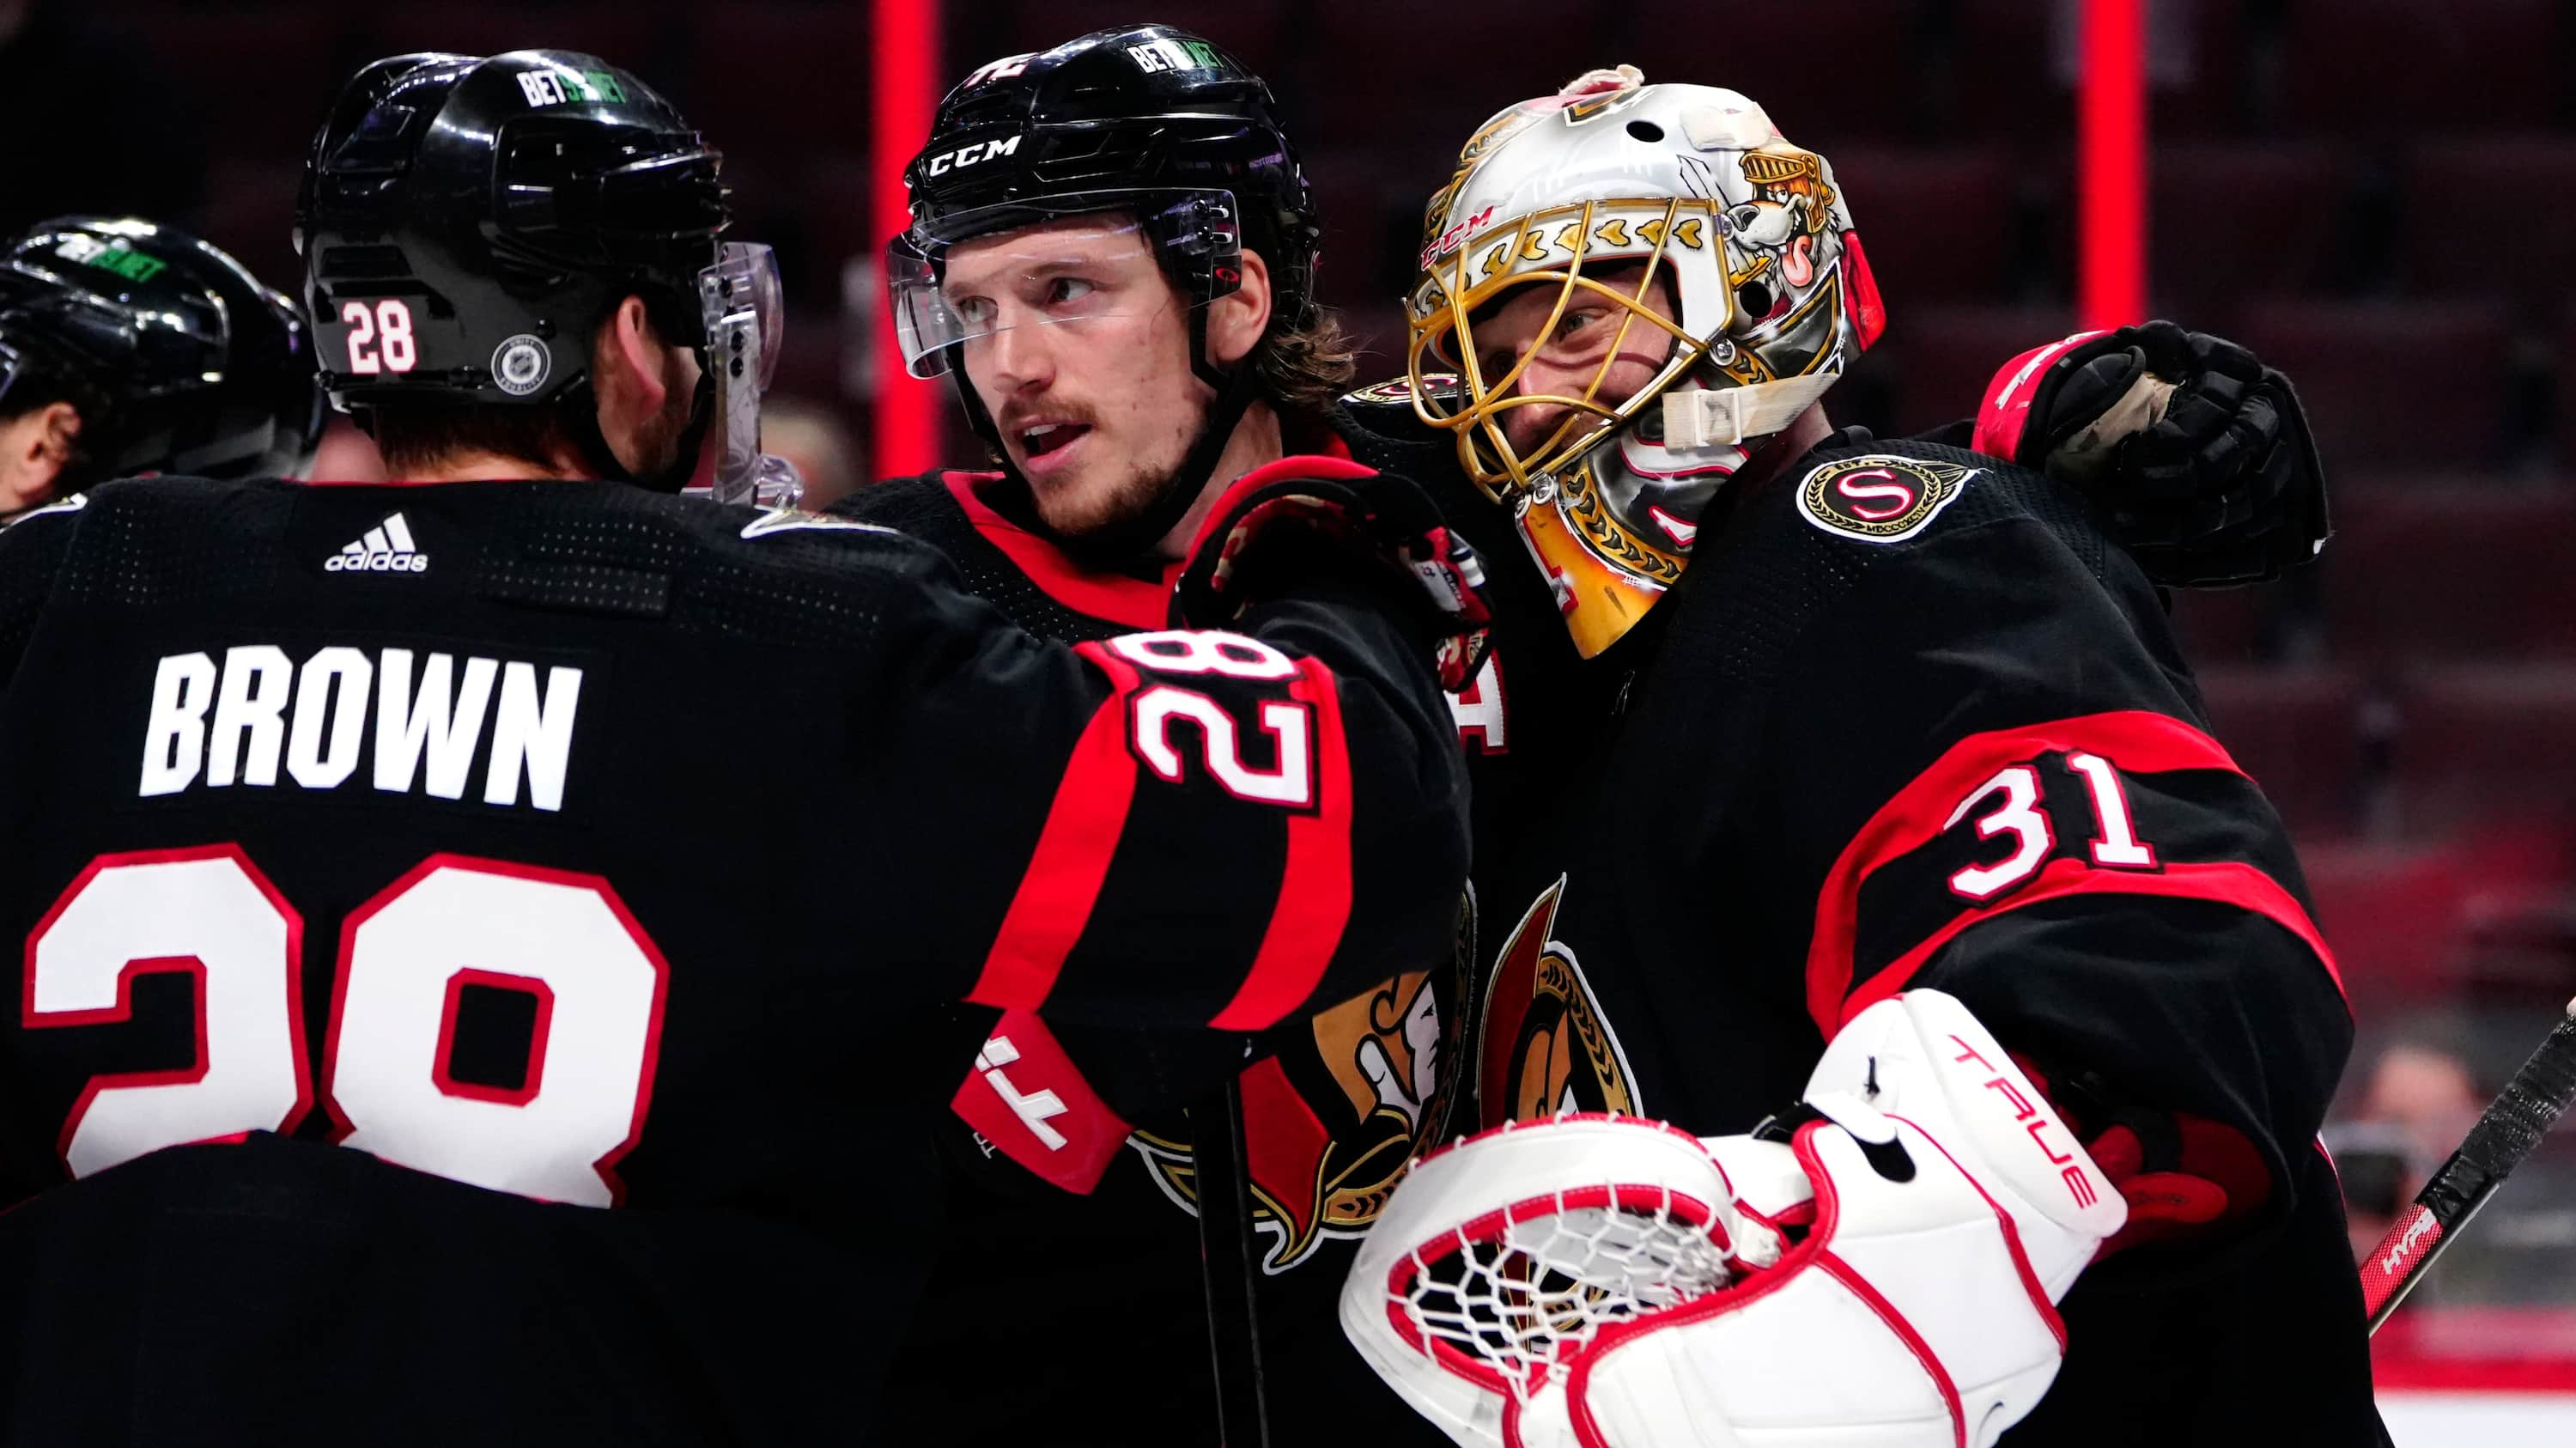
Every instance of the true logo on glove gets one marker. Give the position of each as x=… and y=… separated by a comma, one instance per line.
x=2070, y=1169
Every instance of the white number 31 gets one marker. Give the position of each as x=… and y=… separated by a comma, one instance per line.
x=2115, y=844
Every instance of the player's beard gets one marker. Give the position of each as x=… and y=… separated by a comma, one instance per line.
x=1078, y=512
x=1121, y=488
x=656, y=444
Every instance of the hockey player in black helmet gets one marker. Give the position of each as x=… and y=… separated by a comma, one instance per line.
x=127, y=347
x=1137, y=185
x=1043, y=171
x=538, y=302
x=416, y=1046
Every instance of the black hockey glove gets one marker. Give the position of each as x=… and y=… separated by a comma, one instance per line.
x=2199, y=455
x=1307, y=518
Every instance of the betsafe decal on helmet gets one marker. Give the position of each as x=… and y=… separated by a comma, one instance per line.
x=467, y=222
x=204, y=370
x=1162, y=140
x=1707, y=244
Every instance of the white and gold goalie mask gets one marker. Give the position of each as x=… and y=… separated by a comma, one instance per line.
x=1684, y=242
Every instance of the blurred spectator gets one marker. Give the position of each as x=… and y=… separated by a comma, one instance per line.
x=2375, y=1164
x=2428, y=1094
x=815, y=439
x=2419, y=1102
x=92, y=126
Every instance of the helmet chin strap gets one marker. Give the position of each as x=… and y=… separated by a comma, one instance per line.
x=1702, y=417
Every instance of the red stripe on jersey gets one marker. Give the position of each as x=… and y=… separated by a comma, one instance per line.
x=1081, y=834
x=1315, y=885
x=2228, y=882
x=2136, y=740
x=1113, y=596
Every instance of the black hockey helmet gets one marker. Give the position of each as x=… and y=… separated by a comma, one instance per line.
x=467, y=222
x=1147, y=120
x=193, y=366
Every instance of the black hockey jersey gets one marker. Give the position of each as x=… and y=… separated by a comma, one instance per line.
x=1335, y=1106
x=1563, y=800
x=559, y=847
x=1908, y=719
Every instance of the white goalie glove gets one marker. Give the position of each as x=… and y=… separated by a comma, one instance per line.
x=1886, y=1276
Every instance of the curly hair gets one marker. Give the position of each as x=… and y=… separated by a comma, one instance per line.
x=1306, y=364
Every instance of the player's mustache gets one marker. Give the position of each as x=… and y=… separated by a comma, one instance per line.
x=1019, y=419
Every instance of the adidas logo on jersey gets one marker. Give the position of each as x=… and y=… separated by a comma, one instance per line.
x=386, y=548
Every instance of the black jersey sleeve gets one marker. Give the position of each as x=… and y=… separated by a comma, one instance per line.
x=2002, y=786
x=1170, y=828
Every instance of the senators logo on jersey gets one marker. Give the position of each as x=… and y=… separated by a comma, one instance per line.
x=1544, y=1045
x=1880, y=497
x=1329, y=1127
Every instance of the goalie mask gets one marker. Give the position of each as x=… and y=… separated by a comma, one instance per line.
x=1679, y=216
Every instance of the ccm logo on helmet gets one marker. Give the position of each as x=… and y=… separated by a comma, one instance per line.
x=965, y=156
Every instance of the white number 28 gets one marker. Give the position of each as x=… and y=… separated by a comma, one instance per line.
x=404, y=958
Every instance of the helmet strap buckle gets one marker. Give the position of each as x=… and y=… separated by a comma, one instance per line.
x=1706, y=417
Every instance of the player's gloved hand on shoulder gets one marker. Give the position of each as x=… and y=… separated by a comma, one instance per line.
x=1878, y=1267
x=2199, y=455
x=1304, y=521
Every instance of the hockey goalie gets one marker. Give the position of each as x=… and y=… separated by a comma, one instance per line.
x=1881, y=849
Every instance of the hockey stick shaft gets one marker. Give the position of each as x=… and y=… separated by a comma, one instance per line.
x=1228, y=1266
x=2530, y=1104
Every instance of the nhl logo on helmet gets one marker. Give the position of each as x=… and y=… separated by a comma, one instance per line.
x=520, y=365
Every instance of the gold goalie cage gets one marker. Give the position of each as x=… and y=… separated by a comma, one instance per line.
x=1553, y=245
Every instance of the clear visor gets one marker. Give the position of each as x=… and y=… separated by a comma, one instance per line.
x=1069, y=259
x=746, y=323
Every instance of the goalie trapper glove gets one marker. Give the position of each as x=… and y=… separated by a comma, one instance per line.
x=1878, y=1268
x=2199, y=456
x=1287, y=525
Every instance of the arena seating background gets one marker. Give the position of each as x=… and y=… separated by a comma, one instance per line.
x=2373, y=193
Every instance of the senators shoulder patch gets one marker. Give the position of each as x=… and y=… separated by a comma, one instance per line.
x=1880, y=497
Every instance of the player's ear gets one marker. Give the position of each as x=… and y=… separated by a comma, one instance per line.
x=1236, y=321
x=35, y=446
x=626, y=365
x=59, y=433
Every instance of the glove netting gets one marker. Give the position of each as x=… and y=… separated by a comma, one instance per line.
x=1513, y=1295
